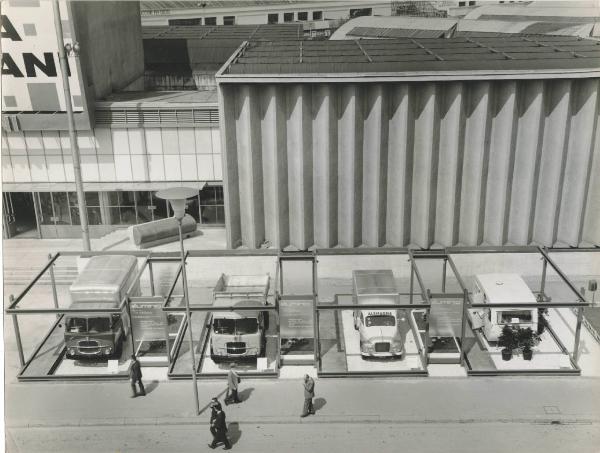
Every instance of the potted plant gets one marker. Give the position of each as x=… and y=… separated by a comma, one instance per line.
x=527, y=340
x=508, y=341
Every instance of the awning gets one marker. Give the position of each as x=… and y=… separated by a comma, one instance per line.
x=98, y=186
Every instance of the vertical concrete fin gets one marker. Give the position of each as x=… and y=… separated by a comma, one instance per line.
x=500, y=162
x=324, y=137
x=274, y=167
x=396, y=180
x=374, y=166
x=350, y=166
x=424, y=165
x=583, y=108
x=476, y=124
x=528, y=142
x=591, y=223
x=250, y=167
x=557, y=108
x=227, y=119
x=299, y=155
x=451, y=100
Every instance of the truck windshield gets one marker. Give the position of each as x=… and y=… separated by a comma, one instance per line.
x=507, y=317
x=88, y=325
x=380, y=320
x=235, y=326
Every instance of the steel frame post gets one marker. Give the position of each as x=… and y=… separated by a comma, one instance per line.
x=412, y=281
x=152, y=291
x=189, y=318
x=463, y=328
x=11, y=298
x=577, y=336
x=543, y=282
x=53, y=282
x=317, y=345
x=444, y=276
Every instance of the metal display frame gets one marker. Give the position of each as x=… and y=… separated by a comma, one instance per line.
x=15, y=311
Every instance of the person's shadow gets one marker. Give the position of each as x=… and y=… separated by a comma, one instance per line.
x=150, y=387
x=234, y=432
x=245, y=394
x=319, y=403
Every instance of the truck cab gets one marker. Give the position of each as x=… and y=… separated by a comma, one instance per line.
x=379, y=329
x=239, y=335
x=505, y=289
x=102, y=285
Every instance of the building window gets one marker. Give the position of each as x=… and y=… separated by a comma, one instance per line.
x=210, y=21
x=212, y=205
x=317, y=15
x=303, y=16
x=288, y=17
x=273, y=18
x=229, y=20
x=195, y=21
x=361, y=12
x=462, y=3
x=471, y=3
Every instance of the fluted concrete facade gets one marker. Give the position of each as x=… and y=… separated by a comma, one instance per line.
x=425, y=164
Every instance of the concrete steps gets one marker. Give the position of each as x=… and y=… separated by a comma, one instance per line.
x=17, y=276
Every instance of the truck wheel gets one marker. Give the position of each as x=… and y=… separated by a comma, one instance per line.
x=213, y=357
x=263, y=347
x=119, y=350
x=355, y=326
x=266, y=320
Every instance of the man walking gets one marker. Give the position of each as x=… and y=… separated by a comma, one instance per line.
x=309, y=393
x=135, y=375
x=218, y=427
x=233, y=379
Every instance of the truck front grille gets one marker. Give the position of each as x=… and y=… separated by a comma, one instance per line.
x=382, y=347
x=236, y=347
x=88, y=344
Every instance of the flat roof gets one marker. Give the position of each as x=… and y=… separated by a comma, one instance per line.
x=238, y=32
x=505, y=288
x=154, y=99
x=464, y=57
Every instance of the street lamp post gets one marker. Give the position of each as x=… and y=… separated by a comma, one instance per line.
x=177, y=197
x=83, y=219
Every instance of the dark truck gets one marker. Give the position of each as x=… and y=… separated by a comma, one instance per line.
x=102, y=284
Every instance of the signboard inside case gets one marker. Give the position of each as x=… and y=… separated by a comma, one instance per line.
x=296, y=318
x=149, y=321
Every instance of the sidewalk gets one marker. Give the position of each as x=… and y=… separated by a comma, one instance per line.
x=432, y=400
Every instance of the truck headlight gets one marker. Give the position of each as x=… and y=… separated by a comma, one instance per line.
x=107, y=351
x=396, y=347
x=71, y=351
x=367, y=347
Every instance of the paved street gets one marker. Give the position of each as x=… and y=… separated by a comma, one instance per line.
x=429, y=414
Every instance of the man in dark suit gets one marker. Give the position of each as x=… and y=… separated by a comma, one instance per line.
x=135, y=375
x=309, y=393
x=218, y=427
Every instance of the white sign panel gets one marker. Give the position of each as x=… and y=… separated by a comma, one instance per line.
x=31, y=76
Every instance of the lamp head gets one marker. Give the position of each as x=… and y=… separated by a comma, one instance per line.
x=177, y=197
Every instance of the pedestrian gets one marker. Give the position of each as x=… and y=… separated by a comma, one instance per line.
x=309, y=394
x=214, y=404
x=233, y=379
x=135, y=375
x=218, y=427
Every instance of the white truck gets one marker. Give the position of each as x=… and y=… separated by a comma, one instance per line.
x=379, y=329
x=237, y=335
x=505, y=289
x=102, y=284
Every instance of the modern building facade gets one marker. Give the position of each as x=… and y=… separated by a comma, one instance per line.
x=131, y=143
x=414, y=142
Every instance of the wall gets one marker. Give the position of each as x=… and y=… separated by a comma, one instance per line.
x=110, y=36
x=420, y=164
x=113, y=155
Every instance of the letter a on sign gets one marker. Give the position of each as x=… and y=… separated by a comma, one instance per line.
x=8, y=31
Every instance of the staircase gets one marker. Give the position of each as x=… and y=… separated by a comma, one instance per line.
x=22, y=276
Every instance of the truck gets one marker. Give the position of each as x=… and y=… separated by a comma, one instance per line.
x=102, y=284
x=505, y=289
x=379, y=329
x=239, y=335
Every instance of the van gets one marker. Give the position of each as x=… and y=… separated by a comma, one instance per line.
x=379, y=329
x=505, y=289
